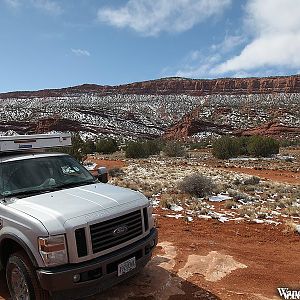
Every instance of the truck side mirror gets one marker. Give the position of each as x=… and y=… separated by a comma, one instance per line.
x=102, y=174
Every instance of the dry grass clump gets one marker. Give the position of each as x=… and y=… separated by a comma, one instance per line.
x=237, y=195
x=290, y=227
x=252, y=180
x=247, y=211
x=293, y=211
x=167, y=200
x=248, y=188
x=229, y=204
x=285, y=203
x=196, y=185
x=197, y=207
x=263, y=212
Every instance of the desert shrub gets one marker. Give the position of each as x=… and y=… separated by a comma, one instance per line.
x=228, y=147
x=174, y=149
x=107, y=146
x=288, y=143
x=237, y=195
x=199, y=145
x=290, y=227
x=262, y=146
x=196, y=185
x=293, y=211
x=247, y=212
x=252, y=180
x=143, y=149
x=229, y=204
x=166, y=201
x=153, y=147
x=115, y=172
x=136, y=150
x=225, y=147
x=89, y=147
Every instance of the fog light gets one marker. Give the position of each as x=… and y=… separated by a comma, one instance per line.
x=76, y=278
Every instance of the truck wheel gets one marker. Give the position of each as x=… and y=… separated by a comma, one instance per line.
x=22, y=280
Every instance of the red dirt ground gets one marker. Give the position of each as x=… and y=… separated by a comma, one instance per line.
x=271, y=256
x=272, y=175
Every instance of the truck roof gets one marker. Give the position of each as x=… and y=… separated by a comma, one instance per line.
x=14, y=156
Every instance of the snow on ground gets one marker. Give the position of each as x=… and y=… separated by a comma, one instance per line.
x=237, y=197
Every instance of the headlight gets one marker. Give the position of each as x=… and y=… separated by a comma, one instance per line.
x=53, y=250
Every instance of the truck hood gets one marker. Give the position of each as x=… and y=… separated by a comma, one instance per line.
x=93, y=201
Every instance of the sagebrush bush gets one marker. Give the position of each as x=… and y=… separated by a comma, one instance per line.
x=136, y=150
x=153, y=147
x=196, y=185
x=230, y=204
x=143, y=149
x=174, y=149
x=107, y=146
x=290, y=227
x=252, y=180
x=228, y=147
x=262, y=146
x=89, y=147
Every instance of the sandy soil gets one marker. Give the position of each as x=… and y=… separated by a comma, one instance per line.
x=210, y=260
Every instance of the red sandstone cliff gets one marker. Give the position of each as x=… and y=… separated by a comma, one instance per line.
x=167, y=86
x=272, y=129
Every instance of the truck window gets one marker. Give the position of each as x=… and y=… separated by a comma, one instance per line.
x=41, y=174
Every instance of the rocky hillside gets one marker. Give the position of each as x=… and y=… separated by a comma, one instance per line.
x=172, y=107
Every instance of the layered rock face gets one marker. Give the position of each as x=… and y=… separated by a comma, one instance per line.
x=174, y=86
x=272, y=129
x=176, y=108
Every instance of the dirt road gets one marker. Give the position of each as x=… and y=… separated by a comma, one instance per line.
x=210, y=260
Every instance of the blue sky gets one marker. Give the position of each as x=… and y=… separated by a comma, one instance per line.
x=52, y=43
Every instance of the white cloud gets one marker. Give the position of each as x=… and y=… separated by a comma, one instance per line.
x=81, y=52
x=229, y=43
x=151, y=17
x=275, y=27
x=49, y=6
x=13, y=3
x=270, y=44
x=200, y=68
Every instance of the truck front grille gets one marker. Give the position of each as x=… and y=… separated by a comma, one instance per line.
x=116, y=231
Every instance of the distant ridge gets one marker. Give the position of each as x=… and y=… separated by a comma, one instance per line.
x=172, y=108
x=177, y=85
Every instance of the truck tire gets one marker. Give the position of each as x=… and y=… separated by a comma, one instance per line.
x=21, y=279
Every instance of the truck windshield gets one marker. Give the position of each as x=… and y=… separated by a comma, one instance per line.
x=41, y=174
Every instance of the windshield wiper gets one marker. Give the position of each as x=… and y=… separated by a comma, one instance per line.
x=27, y=193
x=50, y=189
x=75, y=184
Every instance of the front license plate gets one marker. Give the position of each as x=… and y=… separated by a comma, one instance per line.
x=126, y=266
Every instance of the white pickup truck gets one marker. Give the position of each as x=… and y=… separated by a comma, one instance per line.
x=64, y=234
